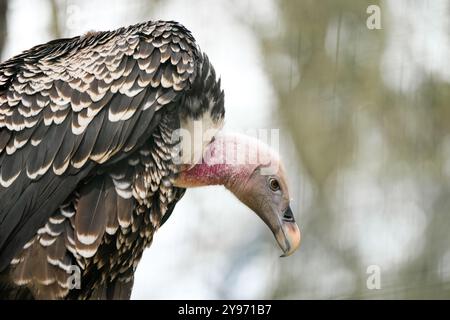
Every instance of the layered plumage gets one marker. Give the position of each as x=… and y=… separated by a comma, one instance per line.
x=86, y=153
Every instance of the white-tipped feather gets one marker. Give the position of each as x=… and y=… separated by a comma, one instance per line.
x=8, y=182
x=86, y=239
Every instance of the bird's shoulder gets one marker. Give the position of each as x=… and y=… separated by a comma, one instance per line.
x=165, y=41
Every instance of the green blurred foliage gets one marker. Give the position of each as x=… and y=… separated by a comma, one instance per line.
x=325, y=65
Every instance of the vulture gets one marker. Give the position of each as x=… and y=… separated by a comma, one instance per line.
x=99, y=141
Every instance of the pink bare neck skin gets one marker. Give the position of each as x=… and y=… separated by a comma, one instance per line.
x=229, y=160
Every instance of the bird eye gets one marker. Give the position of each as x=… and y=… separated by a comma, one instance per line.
x=274, y=185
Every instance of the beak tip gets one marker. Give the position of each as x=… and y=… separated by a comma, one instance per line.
x=288, y=253
x=291, y=240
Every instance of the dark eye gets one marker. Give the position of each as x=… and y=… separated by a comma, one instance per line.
x=274, y=185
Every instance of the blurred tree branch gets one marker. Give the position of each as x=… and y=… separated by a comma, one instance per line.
x=3, y=26
x=55, y=25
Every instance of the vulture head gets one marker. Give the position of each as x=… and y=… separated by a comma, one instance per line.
x=253, y=172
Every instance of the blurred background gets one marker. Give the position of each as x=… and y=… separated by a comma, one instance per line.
x=364, y=119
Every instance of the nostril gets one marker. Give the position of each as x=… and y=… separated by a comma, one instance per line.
x=288, y=216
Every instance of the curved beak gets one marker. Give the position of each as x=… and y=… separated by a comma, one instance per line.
x=287, y=234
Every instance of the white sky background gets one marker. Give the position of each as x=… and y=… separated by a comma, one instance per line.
x=210, y=232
